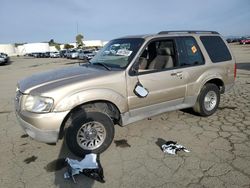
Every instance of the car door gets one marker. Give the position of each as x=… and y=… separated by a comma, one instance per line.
x=166, y=85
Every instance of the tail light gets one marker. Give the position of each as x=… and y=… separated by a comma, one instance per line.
x=235, y=70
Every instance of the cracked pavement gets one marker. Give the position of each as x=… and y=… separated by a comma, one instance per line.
x=219, y=145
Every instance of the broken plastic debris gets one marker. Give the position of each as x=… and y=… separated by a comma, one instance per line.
x=90, y=166
x=172, y=147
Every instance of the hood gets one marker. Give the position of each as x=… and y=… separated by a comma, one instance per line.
x=64, y=75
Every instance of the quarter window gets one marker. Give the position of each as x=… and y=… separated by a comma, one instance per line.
x=216, y=48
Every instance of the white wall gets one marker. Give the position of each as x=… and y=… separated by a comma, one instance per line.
x=8, y=49
x=104, y=43
x=20, y=50
x=87, y=43
x=53, y=49
x=36, y=47
x=90, y=43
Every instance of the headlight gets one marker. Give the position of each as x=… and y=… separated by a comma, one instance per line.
x=38, y=104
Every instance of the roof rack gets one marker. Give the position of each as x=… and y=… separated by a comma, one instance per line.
x=191, y=32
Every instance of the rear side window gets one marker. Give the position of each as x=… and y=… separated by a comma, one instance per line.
x=216, y=48
x=189, y=52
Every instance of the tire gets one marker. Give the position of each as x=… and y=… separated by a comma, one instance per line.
x=208, y=100
x=89, y=132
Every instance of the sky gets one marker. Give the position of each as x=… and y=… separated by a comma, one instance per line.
x=41, y=20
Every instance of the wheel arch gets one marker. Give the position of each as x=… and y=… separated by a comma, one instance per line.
x=103, y=106
x=219, y=83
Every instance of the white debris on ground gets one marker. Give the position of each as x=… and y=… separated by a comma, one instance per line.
x=172, y=148
x=89, y=166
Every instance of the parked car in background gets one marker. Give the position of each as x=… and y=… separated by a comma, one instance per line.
x=54, y=54
x=74, y=54
x=245, y=40
x=62, y=53
x=46, y=54
x=3, y=54
x=68, y=53
x=231, y=40
x=82, y=56
x=86, y=55
x=4, y=58
x=36, y=54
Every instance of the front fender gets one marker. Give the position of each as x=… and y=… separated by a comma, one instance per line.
x=76, y=99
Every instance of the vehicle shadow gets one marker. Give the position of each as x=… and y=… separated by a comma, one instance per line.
x=8, y=63
x=59, y=166
x=189, y=111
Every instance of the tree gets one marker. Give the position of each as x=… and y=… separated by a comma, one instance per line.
x=79, y=40
x=57, y=46
x=52, y=42
x=68, y=46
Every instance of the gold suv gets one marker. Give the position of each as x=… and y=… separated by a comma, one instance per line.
x=130, y=78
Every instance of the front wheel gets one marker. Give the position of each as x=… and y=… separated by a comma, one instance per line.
x=89, y=132
x=208, y=100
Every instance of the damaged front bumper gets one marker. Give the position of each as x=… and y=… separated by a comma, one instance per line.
x=41, y=127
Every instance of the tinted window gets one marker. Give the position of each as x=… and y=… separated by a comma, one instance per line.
x=189, y=52
x=216, y=48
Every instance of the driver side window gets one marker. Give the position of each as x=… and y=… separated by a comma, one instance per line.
x=157, y=56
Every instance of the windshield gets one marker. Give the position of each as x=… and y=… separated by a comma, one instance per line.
x=118, y=53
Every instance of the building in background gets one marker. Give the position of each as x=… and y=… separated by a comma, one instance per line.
x=35, y=47
x=92, y=43
x=8, y=49
x=27, y=48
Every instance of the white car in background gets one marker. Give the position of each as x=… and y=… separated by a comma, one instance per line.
x=72, y=54
x=86, y=55
x=54, y=54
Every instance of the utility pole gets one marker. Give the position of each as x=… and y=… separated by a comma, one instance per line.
x=76, y=28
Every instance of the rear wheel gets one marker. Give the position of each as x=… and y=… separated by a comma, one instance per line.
x=208, y=100
x=89, y=132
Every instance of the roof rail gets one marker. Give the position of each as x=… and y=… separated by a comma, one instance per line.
x=191, y=32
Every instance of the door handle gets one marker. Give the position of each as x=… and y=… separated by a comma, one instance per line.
x=178, y=74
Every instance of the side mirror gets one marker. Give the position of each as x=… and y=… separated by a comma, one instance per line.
x=140, y=91
x=134, y=70
x=135, y=67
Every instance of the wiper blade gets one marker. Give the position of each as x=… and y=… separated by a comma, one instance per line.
x=102, y=64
